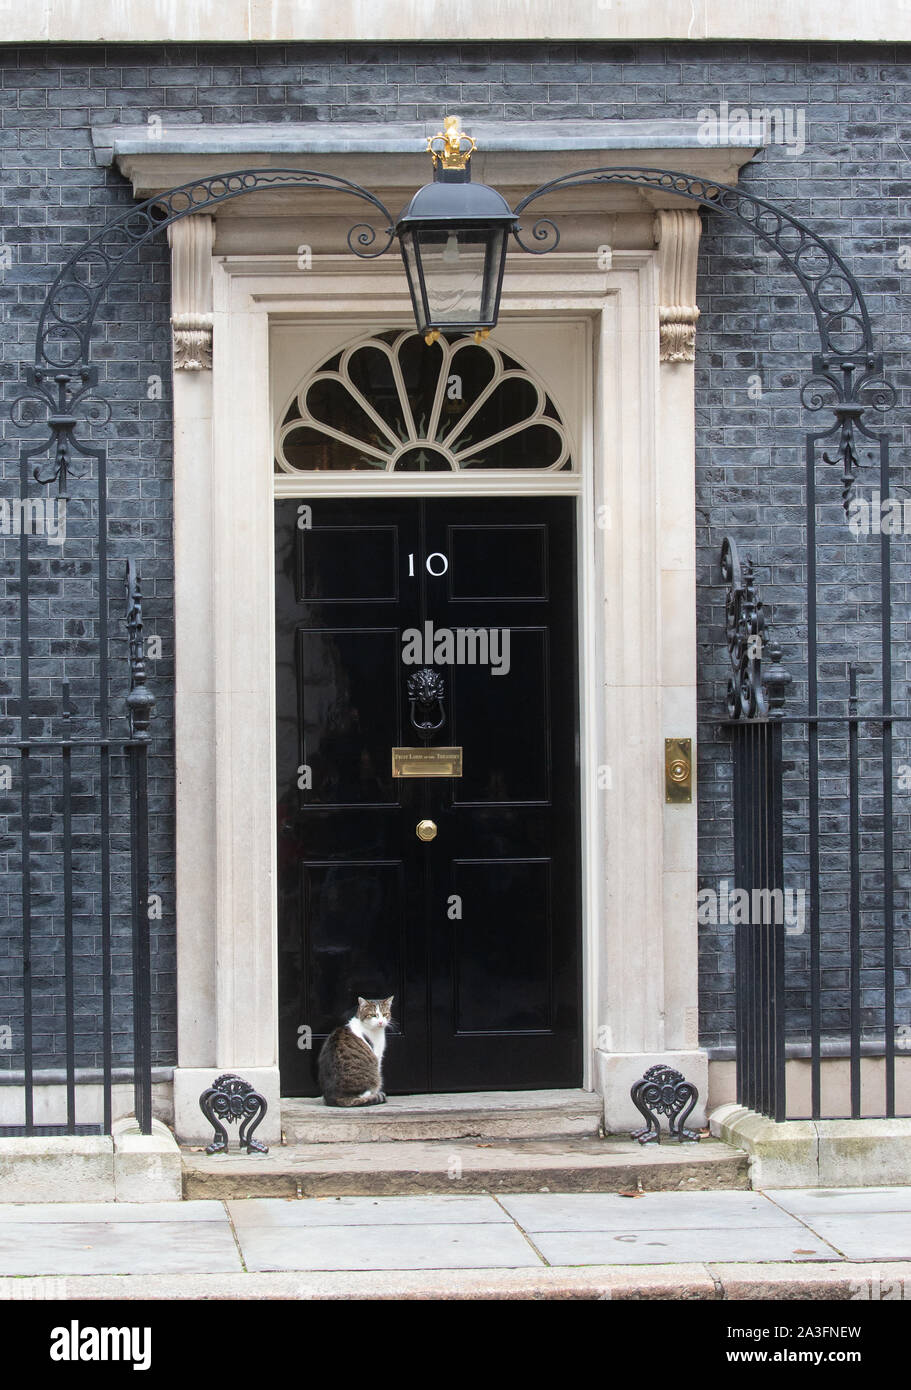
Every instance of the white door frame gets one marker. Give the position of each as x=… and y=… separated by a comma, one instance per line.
x=637, y=660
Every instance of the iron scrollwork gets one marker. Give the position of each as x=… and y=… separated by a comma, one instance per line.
x=68, y=315
x=232, y=1099
x=847, y=364
x=67, y=399
x=754, y=691
x=62, y=381
x=140, y=702
x=846, y=387
x=664, y=1091
x=832, y=290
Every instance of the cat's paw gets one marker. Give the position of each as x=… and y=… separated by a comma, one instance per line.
x=381, y=1097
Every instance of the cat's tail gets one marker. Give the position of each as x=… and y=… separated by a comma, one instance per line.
x=348, y=1101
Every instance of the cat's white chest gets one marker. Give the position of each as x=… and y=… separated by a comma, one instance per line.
x=375, y=1038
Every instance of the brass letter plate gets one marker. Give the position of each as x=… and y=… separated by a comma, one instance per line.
x=678, y=770
x=426, y=762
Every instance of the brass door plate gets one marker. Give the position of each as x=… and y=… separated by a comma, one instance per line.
x=426, y=762
x=678, y=770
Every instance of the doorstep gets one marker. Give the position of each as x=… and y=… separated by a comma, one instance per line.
x=409, y=1167
x=463, y=1115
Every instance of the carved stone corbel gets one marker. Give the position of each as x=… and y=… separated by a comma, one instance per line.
x=677, y=233
x=191, y=240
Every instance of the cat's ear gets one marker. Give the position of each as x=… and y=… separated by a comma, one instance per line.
x=388, y=1002
x=361, y=1001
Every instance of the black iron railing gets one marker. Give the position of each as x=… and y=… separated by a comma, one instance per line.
x=830, y=980
x=80, y=803
x=760, y=942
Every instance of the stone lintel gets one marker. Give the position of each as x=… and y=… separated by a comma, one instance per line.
x=390, y=159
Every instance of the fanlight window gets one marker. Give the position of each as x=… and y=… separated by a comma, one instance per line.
x=395, y=403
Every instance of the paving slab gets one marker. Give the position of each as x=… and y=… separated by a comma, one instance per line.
x=745, y=1243
x=56, y=1213
x=459, y=1246
x=865, y=1235
x=732, y=1244
x=116, y=1247
x=829, y=1201
x=290, y=1213
x=607, y=1211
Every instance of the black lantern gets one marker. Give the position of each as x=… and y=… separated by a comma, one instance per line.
x=453, y=239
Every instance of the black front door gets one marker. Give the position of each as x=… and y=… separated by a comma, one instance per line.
x=476, y=931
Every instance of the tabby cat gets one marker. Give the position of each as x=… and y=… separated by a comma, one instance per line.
x=351, y=1059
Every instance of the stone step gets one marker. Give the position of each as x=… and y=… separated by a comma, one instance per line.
x=465, y=1115
x=434, y=1166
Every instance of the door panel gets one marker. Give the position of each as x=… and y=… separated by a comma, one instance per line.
x=477, y=933
x=500, y=770
x=502, y=957
x=352, y=920
x=491, y=563
x=325, y=572
x=348, y=686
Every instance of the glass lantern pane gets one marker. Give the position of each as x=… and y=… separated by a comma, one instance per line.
x=461, y=270
x=406, y=241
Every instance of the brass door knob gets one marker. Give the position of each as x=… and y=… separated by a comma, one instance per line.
x=426, y=830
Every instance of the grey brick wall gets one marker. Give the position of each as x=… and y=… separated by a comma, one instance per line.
x=851, y=182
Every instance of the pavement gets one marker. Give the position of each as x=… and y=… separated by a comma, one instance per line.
x=818, y=1243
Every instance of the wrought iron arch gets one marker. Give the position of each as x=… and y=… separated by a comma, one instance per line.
x=771, y=225
x=68, y=314
x=842, y=370
x=62, y=385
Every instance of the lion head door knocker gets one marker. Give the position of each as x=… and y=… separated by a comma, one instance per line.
x=425, y=701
